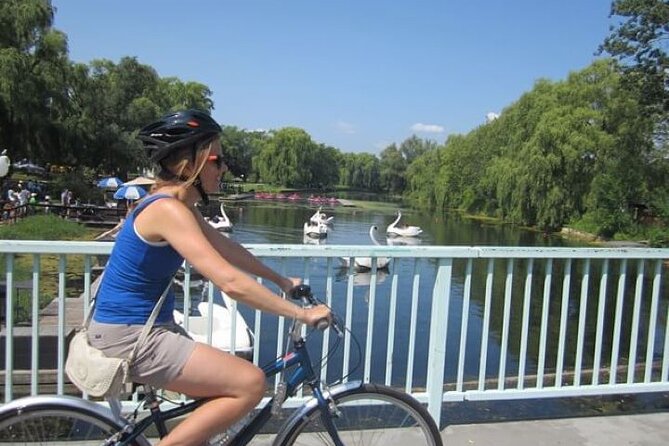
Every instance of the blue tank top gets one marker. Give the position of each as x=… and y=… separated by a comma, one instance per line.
x=136, y=276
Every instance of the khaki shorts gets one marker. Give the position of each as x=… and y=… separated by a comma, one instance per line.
x=159, y=361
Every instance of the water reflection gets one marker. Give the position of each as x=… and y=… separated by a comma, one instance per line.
x=362, y=278
x=308, y=240
x=403, y=241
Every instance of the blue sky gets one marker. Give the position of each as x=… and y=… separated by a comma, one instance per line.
x=356, y=75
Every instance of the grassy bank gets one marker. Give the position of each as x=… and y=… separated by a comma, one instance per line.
x=44, y=227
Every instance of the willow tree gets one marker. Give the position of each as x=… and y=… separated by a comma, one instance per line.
x=33, y=62
x=564, y=151
x=392, y=166
x=360, y=171
x=289, y=157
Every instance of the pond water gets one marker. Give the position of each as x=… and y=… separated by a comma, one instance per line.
x=271, y=222
x=257, y=221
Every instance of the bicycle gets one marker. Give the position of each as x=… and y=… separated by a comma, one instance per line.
x=345, y=414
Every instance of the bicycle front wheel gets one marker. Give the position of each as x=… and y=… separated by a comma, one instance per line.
x=369, y=415
x=55, y=425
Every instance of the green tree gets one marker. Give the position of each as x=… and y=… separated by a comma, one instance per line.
x=56, y=111
x=33, y=56
x=576, y=149
x=360, y=171
x=239, y=147
x=639, y=42
x=292, y=159
x=422, y=177
x=392, y=166
x=173, y=94
x=413, y=147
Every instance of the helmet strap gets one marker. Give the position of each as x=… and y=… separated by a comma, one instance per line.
x=198, y=185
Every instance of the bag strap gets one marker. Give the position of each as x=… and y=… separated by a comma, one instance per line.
x=149, y=324
x=91, y=310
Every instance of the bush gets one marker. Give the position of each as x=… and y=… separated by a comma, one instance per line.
x=43, y=227
x=658, y=237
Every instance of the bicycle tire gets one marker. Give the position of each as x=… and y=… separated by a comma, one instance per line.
x=54, y=424
x=368, y=415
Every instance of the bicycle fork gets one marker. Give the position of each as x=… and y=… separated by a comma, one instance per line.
x=329, y=412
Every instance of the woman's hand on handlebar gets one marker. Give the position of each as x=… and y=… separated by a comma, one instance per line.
x=313, y=315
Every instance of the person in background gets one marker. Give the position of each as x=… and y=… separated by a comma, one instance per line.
x=64, y=197
x=164, y=229
x=47, y=202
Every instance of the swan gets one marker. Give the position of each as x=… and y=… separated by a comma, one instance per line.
x=317, y=230
x=320, y=217
x=221, y=335
x=365, y=263
x=403, y=230
x=222, y=222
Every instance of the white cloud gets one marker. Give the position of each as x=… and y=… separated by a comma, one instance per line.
x=427, y=128
x=491, y=116
x=345, y=127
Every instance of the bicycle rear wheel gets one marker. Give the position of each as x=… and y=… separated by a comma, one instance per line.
x=55, y=425
x=369, y=415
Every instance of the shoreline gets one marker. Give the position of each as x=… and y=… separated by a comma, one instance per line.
x=574, y=234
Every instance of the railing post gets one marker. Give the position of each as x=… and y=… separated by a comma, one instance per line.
x=9, y=329
x=438, y=329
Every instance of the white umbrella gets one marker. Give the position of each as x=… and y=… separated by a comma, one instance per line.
x=140, y=181
x=129, y=193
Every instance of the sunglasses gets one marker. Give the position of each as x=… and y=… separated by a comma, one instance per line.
x=218, y=159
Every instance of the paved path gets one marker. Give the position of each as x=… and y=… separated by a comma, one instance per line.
x=615, y=430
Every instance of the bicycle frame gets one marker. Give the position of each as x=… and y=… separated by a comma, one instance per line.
x=303, y=373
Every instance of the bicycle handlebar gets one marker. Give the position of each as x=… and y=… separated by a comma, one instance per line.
x=303, y=293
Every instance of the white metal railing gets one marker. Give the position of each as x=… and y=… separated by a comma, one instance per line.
x=443, y=323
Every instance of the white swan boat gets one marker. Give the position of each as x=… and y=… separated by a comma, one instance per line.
x=228, y=327
x=317, y=230
x=220, y=222
x=320, y=217
x=404, y=230
x=365, y=263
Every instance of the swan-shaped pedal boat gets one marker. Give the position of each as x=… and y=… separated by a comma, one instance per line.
x=365, y=263
x=220, y=222
x=404, y=230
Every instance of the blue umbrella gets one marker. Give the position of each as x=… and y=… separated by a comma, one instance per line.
x=110, y=183
x=129, y=193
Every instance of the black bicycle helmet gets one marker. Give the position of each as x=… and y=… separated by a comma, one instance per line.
x=175, y=131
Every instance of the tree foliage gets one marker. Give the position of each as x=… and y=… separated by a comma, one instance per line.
x=55, y=111
x=564, y=151
x=639, y=42
x=291, y=158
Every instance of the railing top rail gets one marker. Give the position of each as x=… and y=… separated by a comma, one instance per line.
x=297, y=250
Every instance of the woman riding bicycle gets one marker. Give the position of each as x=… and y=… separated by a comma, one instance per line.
x=164, y=229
